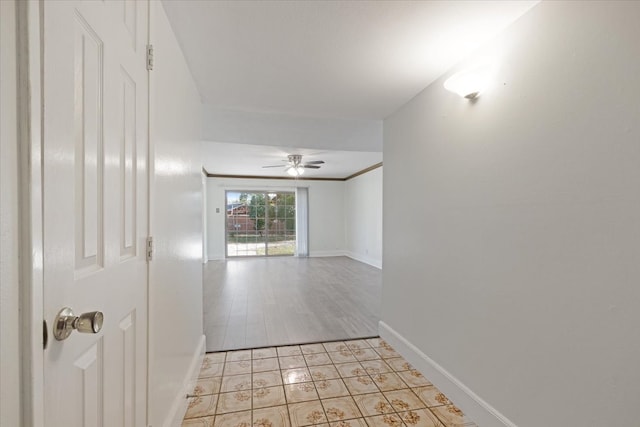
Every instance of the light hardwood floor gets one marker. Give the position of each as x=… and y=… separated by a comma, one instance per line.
x=256, y=302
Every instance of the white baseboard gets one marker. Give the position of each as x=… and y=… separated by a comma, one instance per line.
x=320, y=254
x=217, y=258
x=180, y=403
x=478, y=410
x=365, y=259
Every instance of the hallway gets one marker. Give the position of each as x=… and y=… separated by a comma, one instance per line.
x=258, y=302
x=485, y=153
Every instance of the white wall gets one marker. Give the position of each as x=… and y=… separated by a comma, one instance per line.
x=326, y=207
x=175, y=290
x=9, y=267
x=363, y=217
x=345, y=217
x=520, y=272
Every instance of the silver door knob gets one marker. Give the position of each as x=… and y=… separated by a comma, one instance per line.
x=87, y=323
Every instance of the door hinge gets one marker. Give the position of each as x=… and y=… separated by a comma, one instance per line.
x=149, y=248
x=149, y=57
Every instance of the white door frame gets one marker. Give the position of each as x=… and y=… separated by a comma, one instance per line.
x=29, y=29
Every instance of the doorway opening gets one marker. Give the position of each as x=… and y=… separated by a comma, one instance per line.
x=260, y=223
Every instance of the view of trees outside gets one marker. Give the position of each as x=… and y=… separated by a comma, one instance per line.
x=260, y=223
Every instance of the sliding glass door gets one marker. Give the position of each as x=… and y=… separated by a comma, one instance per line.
x=260, y=223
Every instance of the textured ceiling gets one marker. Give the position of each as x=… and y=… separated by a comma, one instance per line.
x=342, y=59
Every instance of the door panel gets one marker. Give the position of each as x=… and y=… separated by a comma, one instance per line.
x=89, y=379
x=95, y=208
x=128, y=344
x=127, y=165
x=89, y=155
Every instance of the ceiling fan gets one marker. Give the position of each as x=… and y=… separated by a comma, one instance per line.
x=295, y=167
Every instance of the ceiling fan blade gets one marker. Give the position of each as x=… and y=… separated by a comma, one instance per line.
x=307, y=166
x=315, y=162
x=275, y=166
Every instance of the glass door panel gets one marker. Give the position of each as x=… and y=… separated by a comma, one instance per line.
x=260, y=223
x=282, y=224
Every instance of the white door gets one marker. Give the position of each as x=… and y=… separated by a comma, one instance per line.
x=95, y=209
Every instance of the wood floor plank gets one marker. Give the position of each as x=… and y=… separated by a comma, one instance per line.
x=255, y=302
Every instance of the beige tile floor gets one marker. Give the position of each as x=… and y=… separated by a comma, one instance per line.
x=357, y=383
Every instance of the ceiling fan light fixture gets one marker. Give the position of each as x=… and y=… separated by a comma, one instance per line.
x=295, y=170
x=295, y=159
x=296, y=167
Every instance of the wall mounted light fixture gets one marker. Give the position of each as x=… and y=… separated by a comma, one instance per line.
x=470, y=83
